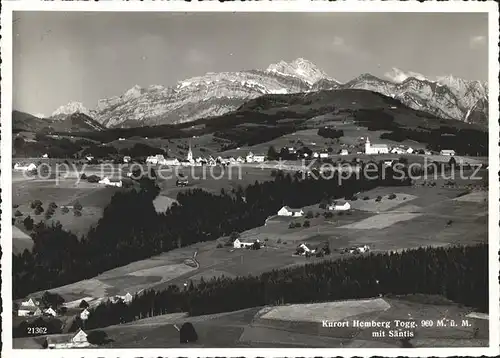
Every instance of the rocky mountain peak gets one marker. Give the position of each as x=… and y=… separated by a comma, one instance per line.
x=398, y=76
x=300, y=68
x=70, y=108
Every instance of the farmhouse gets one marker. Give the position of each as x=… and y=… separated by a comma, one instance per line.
x=249, y=158
x=344, y=152
x=375, y=148
x=79, y=340
x=31, y=302
x=340, y=205
x=50, y=312
x=410, y=150
x=170, y=161
x=237, y=244
x=84, y=315
x=25, y=311
x=45, y=155
x=111, y=182
x=25, y=167
x=127, y=298
x=126, y=159
x=259, y=158
x=287, y=211
x=303, y=249
x=155, y=159
x=397, y=150
x=447, y=152
x=323, y=155
x=480, y=324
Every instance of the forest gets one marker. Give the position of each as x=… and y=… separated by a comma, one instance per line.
x=131, y=230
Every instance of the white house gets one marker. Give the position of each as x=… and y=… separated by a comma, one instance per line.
x=427, y=152
x=323, y=155
x=45, y=155
x=30, y=303
x=249, y=158
x=127, y=298
x=259, y=158
x=447, y=152
x=50, y=311
x=84, y=315
x=237, y=244
x=315, y=154
x=25, y=311
x=170, y=161
x=155, y=159
x=111, y=182
x=89, y=157
x=344, y=152
x=126, y=159
x=240, y=160
x=410, y=150
x=25, y=167
x=79, y=340
x=364, y=248
x=375, y=148
x=306, y=249
x=397, y=150
x=340, y=205
x=121, y=138
x=287, y=211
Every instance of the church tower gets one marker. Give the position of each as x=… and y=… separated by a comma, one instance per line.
x=190, y=153
x=367, y=146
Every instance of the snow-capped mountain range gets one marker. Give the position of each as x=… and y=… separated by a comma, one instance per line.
x=218, y=93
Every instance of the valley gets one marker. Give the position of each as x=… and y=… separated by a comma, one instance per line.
x=126, y=245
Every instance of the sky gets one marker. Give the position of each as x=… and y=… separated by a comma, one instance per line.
x=60, y=57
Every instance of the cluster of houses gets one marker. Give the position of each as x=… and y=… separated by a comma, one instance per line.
x=31, y=307
x=159, y=159
x=305, y=250
x=338, y=205
x=369, y=149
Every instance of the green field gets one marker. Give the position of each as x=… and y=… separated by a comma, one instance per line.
x=422, y=219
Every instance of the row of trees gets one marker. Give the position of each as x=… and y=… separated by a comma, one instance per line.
x=131, y=229
x=459, y=273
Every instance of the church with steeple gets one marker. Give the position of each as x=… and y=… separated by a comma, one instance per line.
x=190, y=154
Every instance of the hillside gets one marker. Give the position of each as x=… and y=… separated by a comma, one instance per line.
x=61, y=122
x=215, y=94
x=275, y=115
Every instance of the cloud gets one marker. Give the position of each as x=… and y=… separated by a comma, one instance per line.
x=398, y=76
x=477, y=41
x=339, y=45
